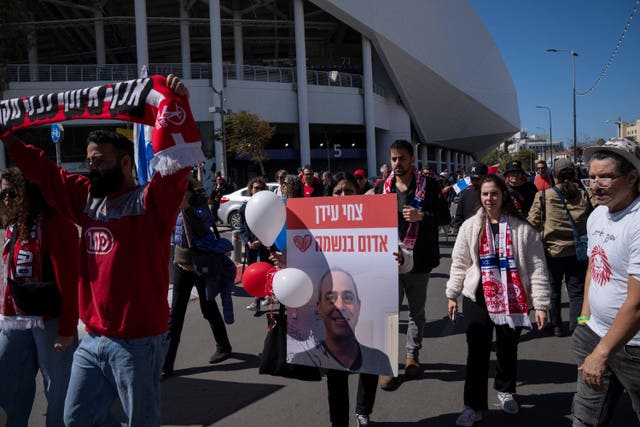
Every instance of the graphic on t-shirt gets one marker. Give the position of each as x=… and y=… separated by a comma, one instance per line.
x=600, y=267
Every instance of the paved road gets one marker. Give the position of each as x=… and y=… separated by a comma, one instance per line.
x=234, y=394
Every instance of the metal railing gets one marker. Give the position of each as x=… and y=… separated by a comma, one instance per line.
x=117, y=72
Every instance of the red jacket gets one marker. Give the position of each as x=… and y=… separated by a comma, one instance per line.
x=124, y=247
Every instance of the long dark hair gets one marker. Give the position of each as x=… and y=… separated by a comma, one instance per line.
x=508, y=208
x=28, y=202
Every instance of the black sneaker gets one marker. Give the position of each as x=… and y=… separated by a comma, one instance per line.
x=219, y=356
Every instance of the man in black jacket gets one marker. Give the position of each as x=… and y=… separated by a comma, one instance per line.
x=421, y=209
x=469, y=201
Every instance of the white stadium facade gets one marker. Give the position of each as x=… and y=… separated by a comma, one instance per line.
x=341, y=79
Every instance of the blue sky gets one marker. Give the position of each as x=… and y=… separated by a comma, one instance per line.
x=524, y=29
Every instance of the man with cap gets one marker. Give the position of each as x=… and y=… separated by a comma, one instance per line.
x=607, y=342
x=521, y=191
x=361, y=177
x=469, y=201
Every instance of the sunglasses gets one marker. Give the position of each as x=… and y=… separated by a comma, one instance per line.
x=7, y=193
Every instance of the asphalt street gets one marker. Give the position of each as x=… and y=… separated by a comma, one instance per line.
x=232, y=393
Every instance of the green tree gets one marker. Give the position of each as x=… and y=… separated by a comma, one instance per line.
x=15, y=37
x=247, y=136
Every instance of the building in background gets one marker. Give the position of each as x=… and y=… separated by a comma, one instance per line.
x=629, y=130
x=341, y=79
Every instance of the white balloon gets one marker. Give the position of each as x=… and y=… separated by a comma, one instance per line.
x=265, y=214
x=292, y=287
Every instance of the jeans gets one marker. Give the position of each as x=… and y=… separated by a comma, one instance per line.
x=573, y=273
x=183, y=282
x=414, y=286
x=479, y=338
x=105, y=368
x=595, y=408
x=22, y=353
x=338, y=395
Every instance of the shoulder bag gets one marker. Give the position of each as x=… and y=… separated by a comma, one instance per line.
x=580, y=240
x=273, y=360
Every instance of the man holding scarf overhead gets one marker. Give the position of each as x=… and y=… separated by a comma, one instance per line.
x=125, y=242
x=421, y=209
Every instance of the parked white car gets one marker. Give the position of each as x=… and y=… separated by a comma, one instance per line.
x=229, y=212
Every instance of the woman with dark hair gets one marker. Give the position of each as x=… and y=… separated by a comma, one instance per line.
x=498, y=265
x=39, y=246
x=193, y=232
x=551, y=214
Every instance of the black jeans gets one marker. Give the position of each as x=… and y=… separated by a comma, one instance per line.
x=183, y=282
x=479, y=339
x=573, y=272
x=338, y=394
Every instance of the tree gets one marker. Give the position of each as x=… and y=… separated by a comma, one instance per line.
x=15, y=37
x=247, y=136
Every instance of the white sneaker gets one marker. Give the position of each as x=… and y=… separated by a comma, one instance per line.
x=508, y=403
x=468, y=417
x=253, y=306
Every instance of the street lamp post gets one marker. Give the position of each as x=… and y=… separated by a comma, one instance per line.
x=223, y=112
x=550, y=136
x=573, y=72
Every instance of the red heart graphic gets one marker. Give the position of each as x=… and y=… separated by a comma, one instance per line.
x=302, y=243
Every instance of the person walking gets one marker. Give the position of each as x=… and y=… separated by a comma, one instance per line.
x=498, y=265
x=560, y=214
x=607, y=339
x=193, y=231
x=39, y=245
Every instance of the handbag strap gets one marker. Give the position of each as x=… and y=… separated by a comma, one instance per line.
x=543, y=209
x=573, y=223
x=185, y=227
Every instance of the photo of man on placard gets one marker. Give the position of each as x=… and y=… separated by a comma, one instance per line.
x=339, y=306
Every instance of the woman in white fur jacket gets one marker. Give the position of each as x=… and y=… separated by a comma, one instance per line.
x=499, y=267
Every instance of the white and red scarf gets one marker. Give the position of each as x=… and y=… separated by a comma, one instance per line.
x=504, y=293
x=175, y=136
x=411, y=236
x=27, y=266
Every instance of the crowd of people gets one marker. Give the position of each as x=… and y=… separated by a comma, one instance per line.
x=517, y=242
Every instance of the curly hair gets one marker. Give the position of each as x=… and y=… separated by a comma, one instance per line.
x=28, y=203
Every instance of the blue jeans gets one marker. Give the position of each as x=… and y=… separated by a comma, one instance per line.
x=595, y=408
x=22, y=353
x=105, y=368
x=414, y=286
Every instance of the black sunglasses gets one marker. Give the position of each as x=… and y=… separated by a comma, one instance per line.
x=10, y=193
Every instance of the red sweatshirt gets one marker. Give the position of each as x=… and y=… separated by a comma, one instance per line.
x=124, y=247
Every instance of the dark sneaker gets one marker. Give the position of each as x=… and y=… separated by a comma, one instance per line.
x=219, y=356
x=388, y=383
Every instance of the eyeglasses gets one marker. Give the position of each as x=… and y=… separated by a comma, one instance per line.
x=7, y=193
x=598, y=182
x=95, y=161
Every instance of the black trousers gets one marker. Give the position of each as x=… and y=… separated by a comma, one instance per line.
x=479, y=338
x=338, y=394
x=573, y=272
x=183, y=282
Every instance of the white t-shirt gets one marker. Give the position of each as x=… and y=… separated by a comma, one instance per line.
x=614, y=248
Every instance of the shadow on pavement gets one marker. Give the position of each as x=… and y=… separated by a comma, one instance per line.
x=193, y=401
x=544, y=372
x=443, y=328
x=236, y=362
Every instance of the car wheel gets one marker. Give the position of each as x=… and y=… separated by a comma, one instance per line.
x=234, y=220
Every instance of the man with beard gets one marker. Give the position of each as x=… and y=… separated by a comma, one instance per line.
x=607, y=339
x=421, y=209
x=124, y=282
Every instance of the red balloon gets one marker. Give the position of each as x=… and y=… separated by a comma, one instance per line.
x=257, y=279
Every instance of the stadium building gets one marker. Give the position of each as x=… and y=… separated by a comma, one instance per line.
x=341, y=79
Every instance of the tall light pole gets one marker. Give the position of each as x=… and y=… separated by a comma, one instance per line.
x=573, y=71
x=550, y=136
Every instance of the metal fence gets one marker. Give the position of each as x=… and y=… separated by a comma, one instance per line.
x=116, y=72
